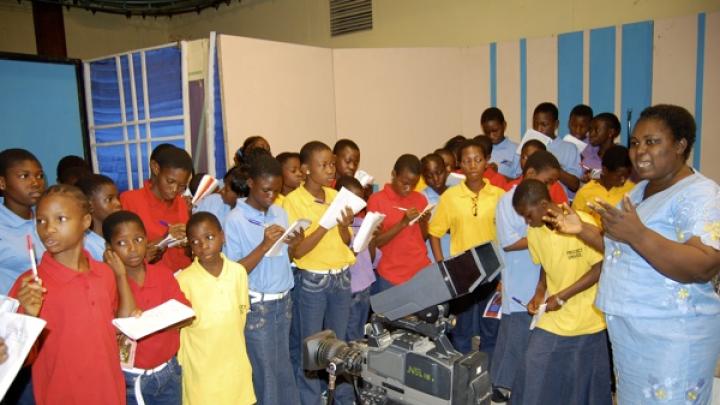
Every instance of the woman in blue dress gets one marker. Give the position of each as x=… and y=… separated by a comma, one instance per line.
x=662, y=249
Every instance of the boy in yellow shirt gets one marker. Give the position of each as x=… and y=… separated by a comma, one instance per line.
x=467, y=210
x=216, y=368
x=613, y=184
x=567, y=357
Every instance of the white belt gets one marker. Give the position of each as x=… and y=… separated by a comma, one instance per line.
x=140, y=373
x=256, y=297
x=327, y=271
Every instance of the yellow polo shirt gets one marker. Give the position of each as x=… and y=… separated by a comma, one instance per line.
x=469, y=216
x=216, y=368
x=279, y=200
x=331, y=252
x=565, y=259
x=594, y=189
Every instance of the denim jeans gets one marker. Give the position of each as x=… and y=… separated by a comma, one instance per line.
x=295, y=341
x=323, y=303
x=161, y=388
x=359, y=311
x=470, y=322
x=267, y=333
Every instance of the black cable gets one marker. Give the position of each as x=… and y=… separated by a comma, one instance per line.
x=357, y=390
x=330, y=396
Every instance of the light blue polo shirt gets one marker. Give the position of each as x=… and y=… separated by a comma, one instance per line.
x=503, y=154
x=215, y=205
x=95, y=245
x=14, y=256
x=519, y=275
x=569, y=158
x=244, y=231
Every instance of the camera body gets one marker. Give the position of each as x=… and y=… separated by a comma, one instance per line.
x=408, y=361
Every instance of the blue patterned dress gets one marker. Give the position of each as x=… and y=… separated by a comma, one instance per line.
x=665, y=335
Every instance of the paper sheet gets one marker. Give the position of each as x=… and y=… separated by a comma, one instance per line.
x=453, y=179
x=344, y=198
x=578, y=143
x=364, y=235
x=493, y=309
x=170, y=242
x=276, y=248
x=540, y=312
x=363, y=177
x=207, y=185
x=427, y=208
x=20, y=333
x=168, y=313
x=533, y=134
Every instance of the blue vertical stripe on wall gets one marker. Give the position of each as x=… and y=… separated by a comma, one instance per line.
x=699, y=73
x=219, y=141
x=523, y=86
x=602, y=69
x=637, y=72
x=493, y=74
x=570, y=75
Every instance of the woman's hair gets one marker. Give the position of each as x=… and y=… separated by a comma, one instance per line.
x=115, y=219
x=264, y=165
x=13, y=156
x=90, y=184
x=237, y=178
x=679, y=120
x=68, y=191
x=309, y=149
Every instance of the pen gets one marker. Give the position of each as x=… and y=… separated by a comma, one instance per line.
x=164, y=223
x=401, y=208
x=519, y=302
x=32, y=256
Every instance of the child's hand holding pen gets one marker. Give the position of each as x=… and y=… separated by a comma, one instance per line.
x=410, y=214
x=346, y=218
x=296, y=237
x=271, y=234
x=31, y=295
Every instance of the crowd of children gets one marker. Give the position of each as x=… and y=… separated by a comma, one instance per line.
x=546, y=205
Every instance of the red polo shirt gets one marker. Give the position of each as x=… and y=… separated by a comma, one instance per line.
x=406, y=253
x=495, y=178
x=77, y=360
x=159, y=286
x=557, y=194
x=153, y=212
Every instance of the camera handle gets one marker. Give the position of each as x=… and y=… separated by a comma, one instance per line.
x=332, y=370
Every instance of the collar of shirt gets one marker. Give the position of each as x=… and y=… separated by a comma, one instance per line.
x=256, y=216
x=64, y=274
x=397, y=198
x=309, y=199
x=152, y=277
x=156, y=202
x=467, y=193
x=11, y=219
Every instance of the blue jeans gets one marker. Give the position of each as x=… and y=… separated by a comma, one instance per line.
x=359, y=311
x=161, y=388
x=323, y=303
x=470, y=322
x=267, y=334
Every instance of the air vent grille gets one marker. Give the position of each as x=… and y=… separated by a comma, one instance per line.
x=348, y=16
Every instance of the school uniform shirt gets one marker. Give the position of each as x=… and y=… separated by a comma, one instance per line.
x=216, y=368
x=519, y=275
x=159, y=286
x=592, y=190
x=590, y=158
x=95, y=245
x=331, y=252
x=77, y=360
x=153, y=212
x=565, y=258
x=569, y=158
x=405, y=254
x=362, y=273
x=215, y=205
x=244, y=231
x=503, y=154
x=279, y=200
x=495, y=178
x=433, y=198
x=14, y=255
x=557, y=192
x=469, y=216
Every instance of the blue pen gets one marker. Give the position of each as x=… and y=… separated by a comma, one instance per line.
x=258, y=223
x=519, y=302
x=163, y=223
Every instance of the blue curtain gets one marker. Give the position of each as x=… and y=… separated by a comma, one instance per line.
x=164, y=95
